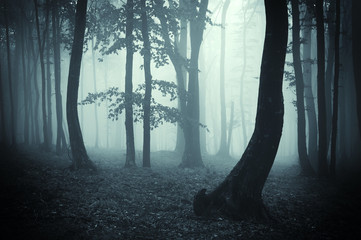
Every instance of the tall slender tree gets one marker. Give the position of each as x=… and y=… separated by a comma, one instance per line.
x=192, y=151
x=306, y=167
x=41, y=45
x=80, y=156
x=239, y=195
x=60, y=140
x=307, y=75
x=223, y=145
x=356, y=53
x=335, y=92
x=148, y=85
x=12, y=105
x=321, y=98
x=129, y=128
x=95, y=90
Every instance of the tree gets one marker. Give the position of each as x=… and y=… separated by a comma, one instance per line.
x=12, y=105
x=321, y=98
x=192, y=151
x=80, y=156
x=148, y=86
x=356, y=53
x=307, y=75
x=335, y=92
x=239, y=195
x=60, y=138
x=95, y=89
x=306, y=167
x=130, y=155
x=41, y=45
x=223, y=146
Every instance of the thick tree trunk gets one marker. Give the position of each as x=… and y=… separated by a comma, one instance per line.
x=192, y=151
x=130, y=156
x=239, y=195
x=43, y=80
x=148, y=87
x=309, y=98
x=223, y=146
x=306, y=167
x=12, y=105
x=322, y=129
x=80, y=156
x=335, y=93
x=95, y=90
x=356, y=45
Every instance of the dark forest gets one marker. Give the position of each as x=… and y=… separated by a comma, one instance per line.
x=180, y=119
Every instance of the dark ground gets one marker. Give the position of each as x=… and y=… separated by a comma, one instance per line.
x=43, y=199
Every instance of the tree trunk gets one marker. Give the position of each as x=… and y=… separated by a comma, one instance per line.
x=182, y=51
x=335, y=92
x=330, y=68
x=57, y=75
x=239, y=195
x=95, y=90
x=223, y=146
x=322, y=130
x=48, y=90
x=301, y=121
x=192, y=151
x=178, y=62
x=129, y=129
x=43, y=81
x=3, y=139
x=80, y=156
x=148, y=87
x=12, y=105
x=356, y=40
x=26, y=88
x=309, y=98
x=230, y=130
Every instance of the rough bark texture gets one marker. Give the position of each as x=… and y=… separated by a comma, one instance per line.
x=192, y=150
x=307, y=74
x=148, y=87
x=239, y=195
x=356, y=45
x=130, y=155
x=335, y=93
x=80, y=156
x=321, y=98
x=306, y=167
x=223, y=146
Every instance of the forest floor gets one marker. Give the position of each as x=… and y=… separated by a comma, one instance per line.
x=43, y=199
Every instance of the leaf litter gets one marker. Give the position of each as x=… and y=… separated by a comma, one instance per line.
x=45, y=199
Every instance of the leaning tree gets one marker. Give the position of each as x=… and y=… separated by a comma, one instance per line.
x=240, y=194
x=80, y=156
